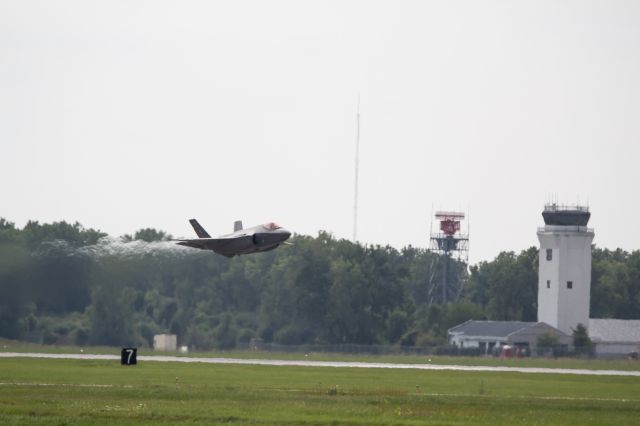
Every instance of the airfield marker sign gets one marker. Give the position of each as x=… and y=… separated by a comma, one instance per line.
x=129, y=356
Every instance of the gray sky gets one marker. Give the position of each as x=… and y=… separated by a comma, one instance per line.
x=131, y=114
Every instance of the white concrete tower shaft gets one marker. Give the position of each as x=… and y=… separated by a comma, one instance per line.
x=564, y=274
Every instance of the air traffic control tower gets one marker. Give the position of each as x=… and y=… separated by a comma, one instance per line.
x=564, y=274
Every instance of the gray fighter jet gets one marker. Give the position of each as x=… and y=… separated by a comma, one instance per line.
x=241, y=241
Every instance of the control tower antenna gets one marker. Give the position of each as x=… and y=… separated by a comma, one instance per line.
x=357, y=167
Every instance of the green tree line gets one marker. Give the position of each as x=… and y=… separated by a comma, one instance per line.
x=63, y=283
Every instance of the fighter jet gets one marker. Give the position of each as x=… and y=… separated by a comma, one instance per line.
x=241, y=241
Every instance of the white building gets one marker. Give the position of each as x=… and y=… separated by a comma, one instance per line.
x=564, y=283
x=488, y=336
x=165, y=342
x=564, y=274
x=614, y=337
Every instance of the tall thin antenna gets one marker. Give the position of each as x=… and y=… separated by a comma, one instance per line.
x=355, y=192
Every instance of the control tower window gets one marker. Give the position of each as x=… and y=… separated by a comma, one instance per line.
x=569, y=285
x=549, y=254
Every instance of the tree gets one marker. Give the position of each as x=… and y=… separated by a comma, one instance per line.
x=150, y=235
x=423, y=273
x=8, y=232
x=507, y=286
x=15, y=304
x=428, y=326
x=349, y=313
x=225, y=334
x=75, y=235
x=321, y=289
x=112, y=317
x=615, y=284
x=581, y=341
x=457, y=313
x=60, y=278
x=547, y=342
x=397, y=325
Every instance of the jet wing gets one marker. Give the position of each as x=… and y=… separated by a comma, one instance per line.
x=199, y=243
x=206, y=243
x=225, y=246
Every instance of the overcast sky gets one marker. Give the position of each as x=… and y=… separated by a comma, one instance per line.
x=130, y=114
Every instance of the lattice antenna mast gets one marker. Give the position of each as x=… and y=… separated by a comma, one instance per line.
x=357, y=172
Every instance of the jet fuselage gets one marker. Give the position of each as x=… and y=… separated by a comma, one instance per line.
x=242, y=241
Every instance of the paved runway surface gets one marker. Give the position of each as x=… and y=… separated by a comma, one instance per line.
x=273, y=362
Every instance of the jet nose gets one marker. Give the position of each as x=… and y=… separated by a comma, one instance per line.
x=284, y=234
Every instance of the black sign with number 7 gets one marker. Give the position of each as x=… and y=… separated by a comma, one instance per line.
x=128, y=356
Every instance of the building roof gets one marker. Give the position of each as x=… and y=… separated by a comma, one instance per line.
x=490, y=328
x=614, y=330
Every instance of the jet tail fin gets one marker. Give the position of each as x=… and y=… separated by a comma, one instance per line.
x=199, y=229
x=237, y=225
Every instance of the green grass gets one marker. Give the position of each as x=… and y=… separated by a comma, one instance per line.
x=47, y=391
x=586, y=363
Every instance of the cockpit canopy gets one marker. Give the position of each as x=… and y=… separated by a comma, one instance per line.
x=272, y=226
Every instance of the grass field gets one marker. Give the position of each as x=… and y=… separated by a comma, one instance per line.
x=47, y=391
x=586, y=363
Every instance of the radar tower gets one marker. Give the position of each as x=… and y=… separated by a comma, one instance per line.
x=450, y=244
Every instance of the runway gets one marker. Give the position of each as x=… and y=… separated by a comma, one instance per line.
x=333, y=364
